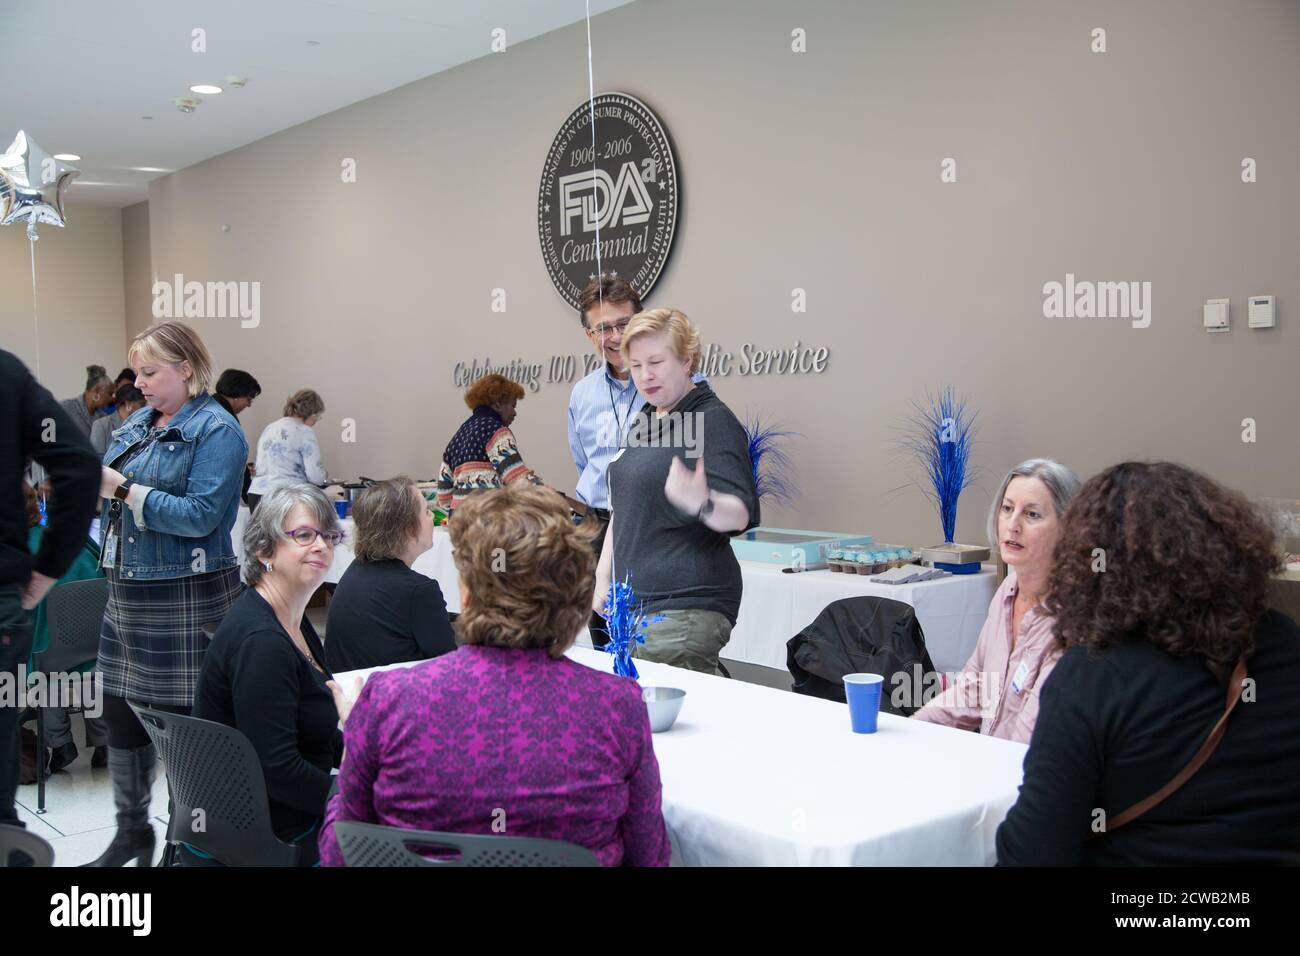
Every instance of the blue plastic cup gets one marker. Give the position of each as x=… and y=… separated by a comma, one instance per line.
x=342, y=508
x=863, y=693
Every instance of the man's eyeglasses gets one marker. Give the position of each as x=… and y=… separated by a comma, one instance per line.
x=605, y=329
x=306, y=537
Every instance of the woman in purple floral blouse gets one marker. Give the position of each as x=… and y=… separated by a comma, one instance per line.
x=498, y=736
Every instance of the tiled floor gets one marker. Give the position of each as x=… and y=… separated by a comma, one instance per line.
x=79, y=815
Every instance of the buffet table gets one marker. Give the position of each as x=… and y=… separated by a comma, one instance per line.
x=776, y=605
x=757, y=777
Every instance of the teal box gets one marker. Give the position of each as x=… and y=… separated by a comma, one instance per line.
x=788, y=547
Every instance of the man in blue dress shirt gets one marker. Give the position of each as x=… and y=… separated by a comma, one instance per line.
x=602, y=403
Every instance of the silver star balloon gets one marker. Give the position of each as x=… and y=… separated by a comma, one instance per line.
x=32, y=184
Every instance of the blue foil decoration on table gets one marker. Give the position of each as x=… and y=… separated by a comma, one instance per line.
x=939, y=436
x=772, y=469
x=625, y=620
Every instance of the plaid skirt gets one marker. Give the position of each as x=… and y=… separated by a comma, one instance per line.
x=151, y=644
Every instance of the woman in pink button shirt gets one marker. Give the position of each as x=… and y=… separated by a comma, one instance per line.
x=997, y=692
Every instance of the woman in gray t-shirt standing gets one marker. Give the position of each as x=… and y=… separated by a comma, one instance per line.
x=681, y=487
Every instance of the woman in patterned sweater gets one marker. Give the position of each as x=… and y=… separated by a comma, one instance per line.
x=483, y=454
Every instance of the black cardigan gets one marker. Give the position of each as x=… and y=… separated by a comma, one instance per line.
x=1115, y=727
x=255, y=680
x=382, y=612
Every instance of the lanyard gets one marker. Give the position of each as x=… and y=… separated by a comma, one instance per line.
x=618, y=420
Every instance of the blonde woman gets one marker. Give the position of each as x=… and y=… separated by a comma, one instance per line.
x=681, y=487
x=171, y=476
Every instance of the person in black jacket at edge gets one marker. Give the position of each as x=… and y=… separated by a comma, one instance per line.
x=1153, y=639
x=383, y=612
x=34, y=425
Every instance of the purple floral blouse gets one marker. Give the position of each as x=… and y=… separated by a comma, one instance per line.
x=494, y=740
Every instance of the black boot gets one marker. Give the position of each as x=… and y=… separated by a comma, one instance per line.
x=131, y=771
x=63, y=756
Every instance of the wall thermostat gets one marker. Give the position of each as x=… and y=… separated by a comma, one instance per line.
x=1259, y=313
x=1216, y=315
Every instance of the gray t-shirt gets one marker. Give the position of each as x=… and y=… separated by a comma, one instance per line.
x=101, y=432
x=76, y=409
x=674, y=561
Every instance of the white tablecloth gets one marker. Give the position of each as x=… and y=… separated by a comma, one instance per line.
x=754, y=776
x=775, y=605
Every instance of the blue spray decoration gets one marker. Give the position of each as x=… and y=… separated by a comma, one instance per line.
x=772, y=468
x=939, y=436
x=625, y=621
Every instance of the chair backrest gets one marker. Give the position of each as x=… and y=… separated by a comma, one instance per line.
x=214, y=770
x=17, y=843
x=76, y=614
x=861, y=634
x=368, y=844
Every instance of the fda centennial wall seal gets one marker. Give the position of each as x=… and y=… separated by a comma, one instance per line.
x=623, y=189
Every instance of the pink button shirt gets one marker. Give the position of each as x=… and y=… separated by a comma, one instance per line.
x=998, y=689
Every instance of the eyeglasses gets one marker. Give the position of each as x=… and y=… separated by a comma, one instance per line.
x=306, y=536
x=603, y=329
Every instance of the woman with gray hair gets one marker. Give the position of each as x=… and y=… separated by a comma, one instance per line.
x=997, y=692
x=265, y=674
x=287, y=451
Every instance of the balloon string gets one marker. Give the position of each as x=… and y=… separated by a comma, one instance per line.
x=36, y=323
x=591, y=106
x=600, y=273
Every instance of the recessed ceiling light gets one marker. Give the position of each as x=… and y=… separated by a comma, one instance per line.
x=205, y=89
x=67, y=157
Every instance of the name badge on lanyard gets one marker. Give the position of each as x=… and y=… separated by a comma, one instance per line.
x=110, y=549
x=1018, y=681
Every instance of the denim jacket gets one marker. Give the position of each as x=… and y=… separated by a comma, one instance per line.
x=195, y=467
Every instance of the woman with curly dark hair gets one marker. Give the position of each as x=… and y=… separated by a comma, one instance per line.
x=1168, y=732
x=483, y=453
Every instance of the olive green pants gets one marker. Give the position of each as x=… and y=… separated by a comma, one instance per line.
x=686, y=638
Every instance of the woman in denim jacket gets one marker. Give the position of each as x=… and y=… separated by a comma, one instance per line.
x=172, y=475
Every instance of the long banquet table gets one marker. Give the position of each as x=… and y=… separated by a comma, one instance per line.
x=754, y=776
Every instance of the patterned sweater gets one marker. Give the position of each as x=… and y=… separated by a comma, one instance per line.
x=501, y=740
x=482, y=454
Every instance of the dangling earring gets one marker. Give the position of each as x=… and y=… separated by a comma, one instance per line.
x=267, y=565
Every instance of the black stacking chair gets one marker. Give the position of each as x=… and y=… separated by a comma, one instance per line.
x=368, y=844
x=852, y=635
x=214, y=769
x=18, y=846
x=75, y=611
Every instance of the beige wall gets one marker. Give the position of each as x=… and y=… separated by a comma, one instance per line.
x=137, y=268
x=818, y=171
x=78, y=293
